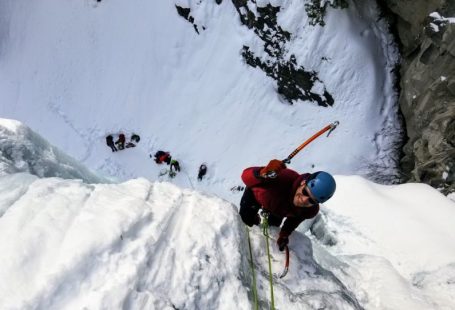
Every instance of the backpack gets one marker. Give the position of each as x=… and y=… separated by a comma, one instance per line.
x=158, y=154
x=135, y=137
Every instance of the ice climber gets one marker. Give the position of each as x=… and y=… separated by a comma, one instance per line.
x=202, y=172
x=120, y=141
x=175, y=166
x=283, y=193
x=161, y=156
x=110, y=143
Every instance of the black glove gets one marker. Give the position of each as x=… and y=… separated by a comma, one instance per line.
x=282, y=241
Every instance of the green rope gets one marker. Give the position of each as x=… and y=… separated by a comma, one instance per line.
x=255, y=293
x=265, y=228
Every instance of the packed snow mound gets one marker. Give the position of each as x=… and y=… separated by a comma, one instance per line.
x=141, y=245
x=23, y=150
x=394, y=219
x=136, y=245
x=396, y=240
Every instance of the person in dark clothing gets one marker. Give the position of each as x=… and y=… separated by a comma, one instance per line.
x=161, y=156
x=283, y=193
x=134, y=139
x=202, y=172
x=110, y=143
x=157, y=156
x=175, y=165
x=120, y=141
x=174, y=168
x=167, y=159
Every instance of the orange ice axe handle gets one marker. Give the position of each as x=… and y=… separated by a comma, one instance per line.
x=331, y=127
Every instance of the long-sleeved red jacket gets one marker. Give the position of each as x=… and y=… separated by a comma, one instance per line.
x=276, y=196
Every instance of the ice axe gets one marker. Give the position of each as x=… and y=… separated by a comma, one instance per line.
x=272, y=174
x=286, y=264
x=331, y=127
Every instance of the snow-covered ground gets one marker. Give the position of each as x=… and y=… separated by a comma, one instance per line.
x=67, y=244
x=76, y=71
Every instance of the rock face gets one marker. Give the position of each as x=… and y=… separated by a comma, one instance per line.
x=293, y=82
x=426, y=29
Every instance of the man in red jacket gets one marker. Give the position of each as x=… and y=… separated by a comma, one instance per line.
x=283, y=193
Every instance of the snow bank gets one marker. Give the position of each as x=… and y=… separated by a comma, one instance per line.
x=70, y=245
x=397, y=241
x=22, y=150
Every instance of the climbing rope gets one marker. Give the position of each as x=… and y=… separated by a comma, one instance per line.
x=255, y=292
x=189, y=179
x=265, y=231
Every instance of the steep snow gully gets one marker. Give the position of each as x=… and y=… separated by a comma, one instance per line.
x=209, y=85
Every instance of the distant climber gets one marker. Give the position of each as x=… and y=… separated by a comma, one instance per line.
x=175, y=165
x=202, y=172
x=283, y=193
x=174, y=168
x=133, y=141
x=161, y=156
x=120, y=141
x=110, y=143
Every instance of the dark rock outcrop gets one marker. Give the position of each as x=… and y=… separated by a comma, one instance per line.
x=293, y=81
x=316, y=10
x=186, y=14
x=427, y=98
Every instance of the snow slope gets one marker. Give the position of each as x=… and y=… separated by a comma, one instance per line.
x=75, y=71
x=89, y=69
x=130, y=245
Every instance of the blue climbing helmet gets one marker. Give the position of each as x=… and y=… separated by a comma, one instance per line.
x=322, y=185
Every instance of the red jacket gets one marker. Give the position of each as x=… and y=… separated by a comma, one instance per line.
x=276, y=196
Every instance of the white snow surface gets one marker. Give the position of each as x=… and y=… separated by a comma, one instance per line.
x=67, y=244
x=90, y=69
x=75, y=71
x=22, y=150
x=438, y=17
